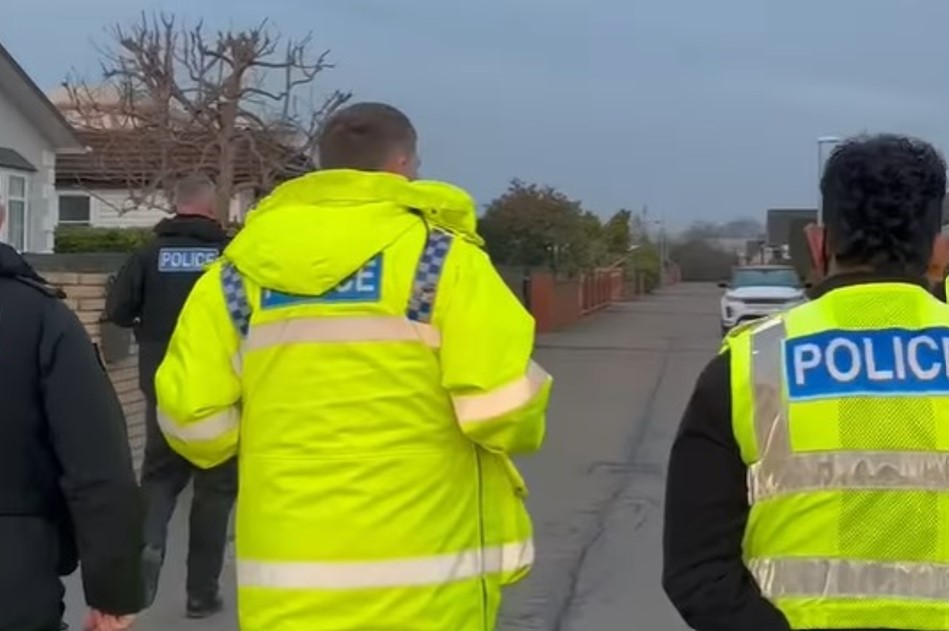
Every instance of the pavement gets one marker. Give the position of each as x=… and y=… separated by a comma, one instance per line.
x=622, y=379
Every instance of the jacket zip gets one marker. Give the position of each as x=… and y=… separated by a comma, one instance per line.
x=484, y=586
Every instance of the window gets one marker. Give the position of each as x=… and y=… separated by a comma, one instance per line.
x=74, y=210
x=16, y=191
x=765, y=277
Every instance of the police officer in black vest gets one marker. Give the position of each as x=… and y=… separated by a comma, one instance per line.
x=148, y=294
x=67, y=486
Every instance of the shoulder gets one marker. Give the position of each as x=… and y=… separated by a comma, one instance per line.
x=30, y=291
x=469, y=263
x=741, y=332
x=708, y=413
x=42, y=287
x=462, y=248
x=221, y=281
x=716, y=375
x=146, y=250
x=737, y=332
x=26, y=300
x=59, y=321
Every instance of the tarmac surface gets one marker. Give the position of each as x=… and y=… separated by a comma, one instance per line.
x=622, y=379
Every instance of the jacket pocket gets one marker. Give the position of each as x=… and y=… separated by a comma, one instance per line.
x=507, y=525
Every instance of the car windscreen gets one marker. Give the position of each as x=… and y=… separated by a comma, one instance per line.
x=765, y=278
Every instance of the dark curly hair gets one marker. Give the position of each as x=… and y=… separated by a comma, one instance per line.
x=882, y=202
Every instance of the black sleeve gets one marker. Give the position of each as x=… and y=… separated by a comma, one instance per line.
x=90, y=439
x=705, y=516
x=123, y=303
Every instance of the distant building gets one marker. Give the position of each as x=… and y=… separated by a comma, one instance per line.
x=744, y=249
x=779, y=224
x=33, y=133
x=117, y=182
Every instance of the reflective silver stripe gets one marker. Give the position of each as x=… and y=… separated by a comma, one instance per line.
x=208, y=428
x=477, y=408
x=826, y=578
x=770, y=404
x=341, y=329
x=841, y=470
x=432, y=570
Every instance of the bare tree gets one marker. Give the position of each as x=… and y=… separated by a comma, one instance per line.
x=240, y=106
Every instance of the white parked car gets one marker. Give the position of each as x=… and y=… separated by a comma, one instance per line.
x=758, y=291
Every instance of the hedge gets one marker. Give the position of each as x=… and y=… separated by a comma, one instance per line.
x=70, y=239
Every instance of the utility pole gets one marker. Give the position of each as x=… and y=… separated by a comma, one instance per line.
x=823, y=140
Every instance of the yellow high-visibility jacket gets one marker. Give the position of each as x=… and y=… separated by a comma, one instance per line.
x=359, y=353
x=840, y=408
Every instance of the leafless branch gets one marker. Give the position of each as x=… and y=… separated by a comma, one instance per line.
x=176, y=99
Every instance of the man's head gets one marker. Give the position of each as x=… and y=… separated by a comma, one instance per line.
x=882, y=205
x=370, y=137
x=194, y=195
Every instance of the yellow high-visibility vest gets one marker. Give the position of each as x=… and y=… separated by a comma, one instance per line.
x=840, y=408
x=359, y=353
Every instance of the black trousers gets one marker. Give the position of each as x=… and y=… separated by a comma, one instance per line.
x=164, y=475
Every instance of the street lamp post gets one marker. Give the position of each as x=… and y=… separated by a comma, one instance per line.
x=823, y=140
x=662, y=246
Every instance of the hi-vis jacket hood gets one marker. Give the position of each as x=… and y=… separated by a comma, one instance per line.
x=290, y=241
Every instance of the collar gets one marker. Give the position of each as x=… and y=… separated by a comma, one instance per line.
x=445, y=205
x=849, y=279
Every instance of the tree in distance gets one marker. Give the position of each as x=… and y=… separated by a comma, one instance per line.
x=239, y=105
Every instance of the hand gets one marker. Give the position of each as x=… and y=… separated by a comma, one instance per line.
x=98, y=621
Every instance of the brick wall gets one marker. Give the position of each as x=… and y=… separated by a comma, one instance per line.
x=85, y=295
x=556, y=303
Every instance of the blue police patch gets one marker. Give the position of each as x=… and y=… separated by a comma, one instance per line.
x=363, y=286
x=886, y=362
x=185, y=259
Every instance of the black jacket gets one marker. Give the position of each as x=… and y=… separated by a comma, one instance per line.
x=703, y=572
x=67, y=487
x=150, y=290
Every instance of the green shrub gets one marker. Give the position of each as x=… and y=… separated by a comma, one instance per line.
x=645, y=261
x=70, y=239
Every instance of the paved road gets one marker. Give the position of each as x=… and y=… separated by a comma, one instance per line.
x=622, y=380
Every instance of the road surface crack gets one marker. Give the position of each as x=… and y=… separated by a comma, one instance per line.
x=626, y=471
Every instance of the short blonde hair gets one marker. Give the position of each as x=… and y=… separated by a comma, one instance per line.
x=191, y=187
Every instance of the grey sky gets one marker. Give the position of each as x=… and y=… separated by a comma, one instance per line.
x=702, y=110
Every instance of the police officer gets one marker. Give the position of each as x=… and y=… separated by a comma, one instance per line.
x=148, y=294
x=360, y=351
x=808, y=484
x=67, y=486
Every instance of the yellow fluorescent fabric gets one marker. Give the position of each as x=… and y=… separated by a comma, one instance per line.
x=198, y=399
x=499, y=394
x=376, y=485
x=849, y=492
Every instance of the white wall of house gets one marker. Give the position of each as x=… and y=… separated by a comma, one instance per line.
x=34, y=190
x=103, y=209
x=107, y=209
